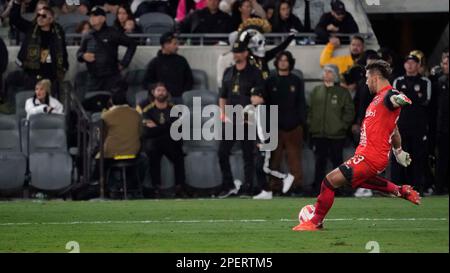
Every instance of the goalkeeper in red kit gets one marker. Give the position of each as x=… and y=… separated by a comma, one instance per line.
x=379, y=135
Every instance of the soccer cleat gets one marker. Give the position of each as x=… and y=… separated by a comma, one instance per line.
x=264, y=195
x=407, y=192
x=307, y=226
x=287, y=183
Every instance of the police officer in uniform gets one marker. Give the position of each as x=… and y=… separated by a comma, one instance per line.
x=413, y=124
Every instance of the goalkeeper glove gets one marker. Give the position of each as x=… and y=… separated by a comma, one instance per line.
x=402, y=157
x=401, y=100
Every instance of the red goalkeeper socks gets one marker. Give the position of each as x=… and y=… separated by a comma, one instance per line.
x=324, y=202
x=381, y=184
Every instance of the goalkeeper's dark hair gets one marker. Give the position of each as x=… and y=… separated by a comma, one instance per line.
x=380, y=66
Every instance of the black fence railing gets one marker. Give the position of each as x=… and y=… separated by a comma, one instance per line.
x=152, y=39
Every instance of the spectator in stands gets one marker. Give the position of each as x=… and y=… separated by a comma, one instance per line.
x=42, y=101
x=186, y=7
x=169, y=68
x=284, y=21
x=43, y=53
x=245, y=9
x=155, y=111
x=330, y=115
x=123, y=14
x=83, y=28
x=226, y=59
x=99, y=49
x=442, y=139
x=64, y=8
x=131, y=27
x=413, y=124
x=337, y=21
x=343, y=62
x=122, y=128
x=207, y=20
x=287, y=91
x=140, y=7
x=112, y=6
x=3, y=65
x=269, y=8
x=237, y=86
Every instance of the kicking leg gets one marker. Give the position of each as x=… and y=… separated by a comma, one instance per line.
x=325, y=201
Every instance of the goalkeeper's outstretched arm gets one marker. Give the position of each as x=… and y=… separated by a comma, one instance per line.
x=396, y=139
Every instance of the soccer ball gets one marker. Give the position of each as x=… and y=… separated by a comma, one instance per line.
x=306, y=213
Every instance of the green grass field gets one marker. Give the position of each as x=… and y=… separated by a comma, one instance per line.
x=231, y=225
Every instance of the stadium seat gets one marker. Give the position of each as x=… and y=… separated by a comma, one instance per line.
x=69, y=22
x=21, y=98
x=134, y=79
x=156, y=22
x=206, y=177
x=12, y=161
x=200, y=80
x=50, y=162
x=208, y=97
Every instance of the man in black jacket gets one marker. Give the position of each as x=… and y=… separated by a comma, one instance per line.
x=207, y=20
x=288, y=92
x=413, y=124
x=169, y=68
x=43, y=54
x=337, y=21
x=99, y=49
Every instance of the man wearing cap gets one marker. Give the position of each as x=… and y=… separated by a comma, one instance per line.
x=169, y=68
x=241, y=82
x=99, y=49
x=413, y=123
x=337, y=21
x=43, y=53
x=330, y=115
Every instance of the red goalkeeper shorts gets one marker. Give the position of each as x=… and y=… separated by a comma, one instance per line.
x=357, y=170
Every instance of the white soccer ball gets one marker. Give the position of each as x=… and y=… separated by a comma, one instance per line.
x=306, y=213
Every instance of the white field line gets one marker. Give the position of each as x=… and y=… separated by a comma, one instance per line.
x=213, y=221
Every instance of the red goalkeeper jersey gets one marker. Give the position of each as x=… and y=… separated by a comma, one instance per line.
x=377, y=129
